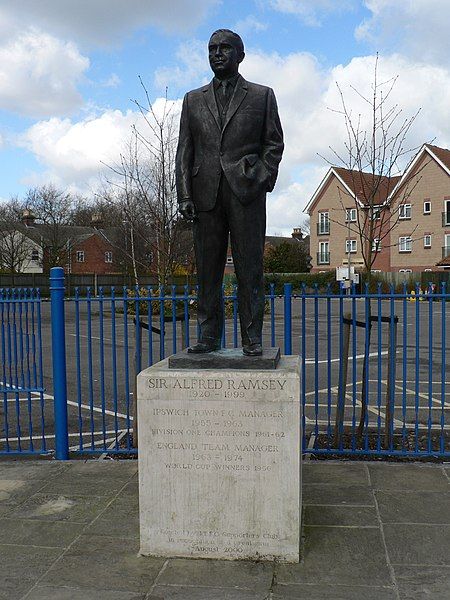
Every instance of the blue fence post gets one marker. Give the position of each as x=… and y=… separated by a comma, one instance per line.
x=288, y=318
x=59, y=362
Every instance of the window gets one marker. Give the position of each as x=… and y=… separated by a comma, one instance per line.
x=427, y=241
x=446, y=248
x=375, y=270
x=376, y=213
x=427, y=207
x=405, y=270
x=404, y=211
x=229, y=260
x=350, y=246
x=350, y=214
x=323, y=226
x=108, y=257
x=428, y=270
x=323, y=256
x=35, y=255
x=404, y=244
x=80, y=255
x=446, y=213
x=376, y=245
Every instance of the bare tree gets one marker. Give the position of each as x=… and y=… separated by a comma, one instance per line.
x=374, y=156
x=145, y=188
x=305, y=226
x=53, y=209
x=15, y=246
x=375, y=153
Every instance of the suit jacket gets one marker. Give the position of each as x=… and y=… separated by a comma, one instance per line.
x=248, y=148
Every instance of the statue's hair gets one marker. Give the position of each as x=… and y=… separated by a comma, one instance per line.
x=236, y=37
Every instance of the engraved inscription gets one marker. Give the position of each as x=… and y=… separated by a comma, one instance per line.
x=258, y=453
x=207, y=388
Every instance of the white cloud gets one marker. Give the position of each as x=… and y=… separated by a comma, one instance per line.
x=284, y=207
x=312, y=12
x=113, y=81
x=249, y=25
x=417, y=28
x=39, y=74
x=104, y=22
x=192, y=69
x=306, y=92
x=71, y=152
x=75, y=154
x=299, y=84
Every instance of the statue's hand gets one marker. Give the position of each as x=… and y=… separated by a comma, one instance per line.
x=187, y=210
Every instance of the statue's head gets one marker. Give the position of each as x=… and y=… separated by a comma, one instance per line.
x=226, y=52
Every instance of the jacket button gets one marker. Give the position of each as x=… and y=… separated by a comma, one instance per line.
x=221, y=154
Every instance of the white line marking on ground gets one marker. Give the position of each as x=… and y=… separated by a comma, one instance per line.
x=424, y=396
x=52, y=436
x=312, y=361
x=84, y=406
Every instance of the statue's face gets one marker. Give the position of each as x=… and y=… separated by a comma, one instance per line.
x=224, y=57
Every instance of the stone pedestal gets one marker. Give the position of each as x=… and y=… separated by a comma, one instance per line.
x=219, y=462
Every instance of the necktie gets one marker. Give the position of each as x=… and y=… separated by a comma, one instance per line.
x=225, y=92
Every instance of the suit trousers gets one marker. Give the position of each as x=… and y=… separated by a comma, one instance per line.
x=246, y=226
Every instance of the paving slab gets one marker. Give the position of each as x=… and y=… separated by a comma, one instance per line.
x=89, y=484
x=164, y=592
x=419, y=582
x=27, y=532
x=220, y=573
x=59, y=507
x=362, y=516
x=335, y=473
x=120, y=518
x=429, y=478
x=26, y=470
x=343, y=556
x=414, y=507
x=101, y=562
x=21, y=567
x=111, y=469
x=319, y=493
x=418, y=544
x=332, y=592
x=45, y=592
x=340, y=555
x=16, y=491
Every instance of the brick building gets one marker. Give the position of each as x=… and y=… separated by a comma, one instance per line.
x=81, y=250
x=413, y=210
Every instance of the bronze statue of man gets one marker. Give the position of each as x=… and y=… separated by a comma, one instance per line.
x=229, y=149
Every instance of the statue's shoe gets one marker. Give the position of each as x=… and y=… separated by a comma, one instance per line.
x=252, y=350
x=203, y=347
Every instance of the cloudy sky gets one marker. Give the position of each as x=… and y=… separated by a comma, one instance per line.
x=69, y=71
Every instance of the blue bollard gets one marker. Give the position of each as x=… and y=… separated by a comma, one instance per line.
x=59, y=362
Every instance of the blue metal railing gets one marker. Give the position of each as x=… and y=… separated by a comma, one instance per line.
x=374, y=378
x=377, y=389
x=22, y=410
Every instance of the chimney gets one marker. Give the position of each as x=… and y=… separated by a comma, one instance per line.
x=28, y=218
x=297, y=233
x=96, y=221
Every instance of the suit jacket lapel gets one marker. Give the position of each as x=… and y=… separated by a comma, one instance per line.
x=211, y=103
x=240, y=92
